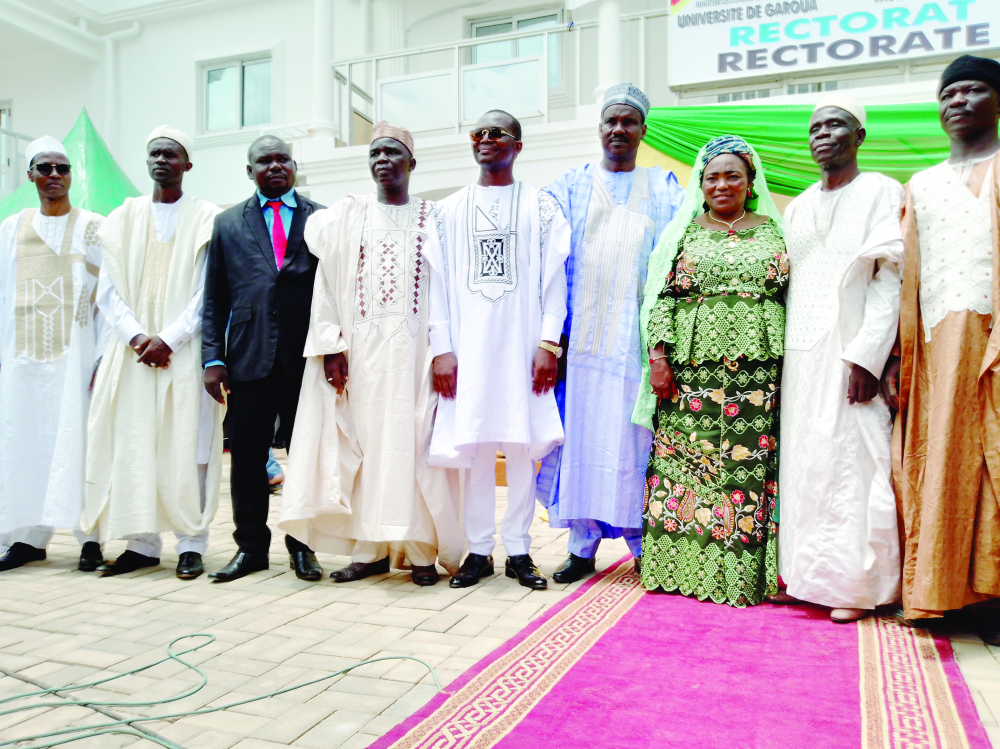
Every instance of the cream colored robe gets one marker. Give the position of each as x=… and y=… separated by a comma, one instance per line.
x=142, y=474
x=357, y=468
x=946, y=439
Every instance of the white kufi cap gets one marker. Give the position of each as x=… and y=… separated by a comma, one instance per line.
x=45, y=144
x=165, y=131
x=848, y=104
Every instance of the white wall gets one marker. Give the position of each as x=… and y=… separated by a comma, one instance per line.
x=48, y=87
x=159, y=83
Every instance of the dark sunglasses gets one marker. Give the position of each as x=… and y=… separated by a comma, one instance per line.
x=46, y=169
x=493, y=132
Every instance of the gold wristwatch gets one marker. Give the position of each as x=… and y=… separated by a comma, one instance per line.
x=551, y=348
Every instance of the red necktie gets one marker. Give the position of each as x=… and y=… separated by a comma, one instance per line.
x=278, y=238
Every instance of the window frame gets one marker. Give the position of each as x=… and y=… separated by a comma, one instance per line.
x=513, y=19
x=240, y=61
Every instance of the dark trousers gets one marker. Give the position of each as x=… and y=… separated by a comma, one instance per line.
x=253, y=408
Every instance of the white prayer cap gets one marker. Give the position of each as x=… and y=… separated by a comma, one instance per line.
x=165, y=131
x=45, y=144
x=848, y=104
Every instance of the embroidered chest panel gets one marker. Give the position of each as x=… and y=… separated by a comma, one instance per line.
x=392, y=270
x=822, y=241
x=45, y=307
x=956, y=245
x=493, y=238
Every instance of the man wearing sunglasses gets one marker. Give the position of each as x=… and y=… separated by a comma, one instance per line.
x=154, y=436
x=593, y=484
x=498, y=301
x=49, y=346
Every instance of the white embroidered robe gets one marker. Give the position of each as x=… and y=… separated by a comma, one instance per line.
x=357, y=469
x=498, y=289
x=50, y=339
x=838, y=543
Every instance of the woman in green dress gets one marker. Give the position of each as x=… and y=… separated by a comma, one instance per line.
x=714, y=324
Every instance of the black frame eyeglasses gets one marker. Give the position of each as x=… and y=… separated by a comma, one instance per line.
x=45, y=169
x=494, y=132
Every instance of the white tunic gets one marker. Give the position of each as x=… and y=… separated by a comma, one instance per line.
x=357, y=470
x=498, y=289
x=49, y=342
x=838, y=544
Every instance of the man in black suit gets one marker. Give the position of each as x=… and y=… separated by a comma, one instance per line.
x=259, y=285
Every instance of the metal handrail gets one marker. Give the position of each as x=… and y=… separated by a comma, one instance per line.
x=471, y=42
x=456, y=48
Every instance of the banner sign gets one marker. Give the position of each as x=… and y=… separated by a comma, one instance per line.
x=727, y=40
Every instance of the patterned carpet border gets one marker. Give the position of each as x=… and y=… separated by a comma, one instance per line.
x=494, y=695
x=913, y=695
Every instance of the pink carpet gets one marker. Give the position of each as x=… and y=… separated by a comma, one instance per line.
x=613, y=666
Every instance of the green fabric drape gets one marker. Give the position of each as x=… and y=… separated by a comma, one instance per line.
x=902, y=138
x=99, y=184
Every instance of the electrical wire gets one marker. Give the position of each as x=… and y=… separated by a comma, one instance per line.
x=122, y=725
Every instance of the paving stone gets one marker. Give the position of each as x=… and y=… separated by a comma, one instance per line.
x=335, y=730
x=274, y=631
x=294, y=723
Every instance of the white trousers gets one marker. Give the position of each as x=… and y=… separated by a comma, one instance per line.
x=418, y=554
x=481, y=500
x=38, y=536
x=150, y=544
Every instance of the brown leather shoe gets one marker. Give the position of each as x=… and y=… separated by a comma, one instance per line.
x=425, y=575
x=360, y=570
x=846, y=616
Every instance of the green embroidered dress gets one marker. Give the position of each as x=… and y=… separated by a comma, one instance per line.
x=711, y=481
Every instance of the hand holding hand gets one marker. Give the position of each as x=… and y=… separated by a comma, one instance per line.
x=139, y=343
x=863, y=385
x=445, y=371
x=156, y=353
x=217, y=382
x=335, y=369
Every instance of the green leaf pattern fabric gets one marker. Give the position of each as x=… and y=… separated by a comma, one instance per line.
x=711, y=484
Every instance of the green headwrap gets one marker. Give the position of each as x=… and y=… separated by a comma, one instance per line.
x=661, y=262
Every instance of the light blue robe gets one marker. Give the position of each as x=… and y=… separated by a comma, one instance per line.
x=597, y=475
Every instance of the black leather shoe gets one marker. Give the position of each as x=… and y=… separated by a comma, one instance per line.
x=305, y=565
x=425, y=575
x=19, y=555
x=473, y=569
x=91, y=557
x=129, y=561
x=573, y=569
x=360, y=570
x=527, y=574
x=190, y=566
x=239, y=566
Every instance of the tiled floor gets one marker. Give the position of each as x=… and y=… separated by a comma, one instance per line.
x=59, y=626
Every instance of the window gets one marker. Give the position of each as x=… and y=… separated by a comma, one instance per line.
x=237, y=94
x=764, y=93
x=811, y=88
x=531, y=46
